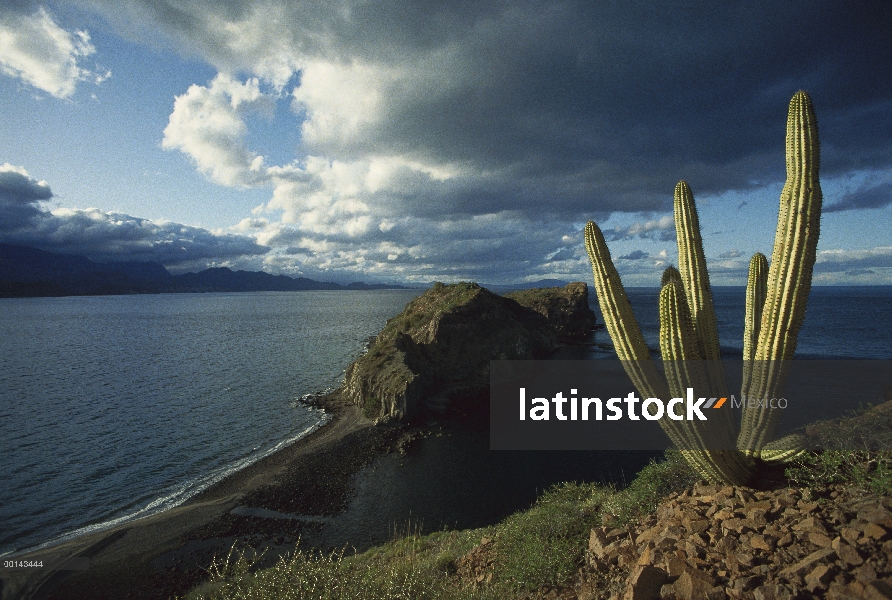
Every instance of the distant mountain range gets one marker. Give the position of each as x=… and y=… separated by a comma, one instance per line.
x=28, y=272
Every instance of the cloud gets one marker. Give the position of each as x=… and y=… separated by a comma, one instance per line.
x=471, y=140
x=19, y=197
x=877, y=195
x=602, y=106
x=662, y=229
x=731, y=254
x=207, y=124
x=107, y=236
x=35, y=49
x=635, y=255
x=859, y=272
x=852, y=260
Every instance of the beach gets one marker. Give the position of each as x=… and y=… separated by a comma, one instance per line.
x=346, y=487
x=164, y=554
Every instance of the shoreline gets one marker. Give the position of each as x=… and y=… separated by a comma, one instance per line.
x=164, y=554
x=348, y=486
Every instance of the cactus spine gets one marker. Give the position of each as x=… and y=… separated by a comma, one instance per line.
x=670, y=274
x=776, y=299
x=756, y=288
x=789, y=277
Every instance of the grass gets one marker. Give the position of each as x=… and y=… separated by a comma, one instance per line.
x=530, y=550
x=542, y=546
x=869, y=470
x=855, y=451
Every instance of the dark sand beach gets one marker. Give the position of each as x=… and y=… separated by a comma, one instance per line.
x=348, y=486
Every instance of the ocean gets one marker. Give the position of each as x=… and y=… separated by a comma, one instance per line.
x=116, y=407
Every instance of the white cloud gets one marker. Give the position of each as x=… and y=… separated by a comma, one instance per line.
x=207, y=124
x=339, y=101
x=35, y=49
x=841, y=260
x=662, y=229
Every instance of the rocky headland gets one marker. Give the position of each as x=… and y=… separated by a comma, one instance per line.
x=438, y=349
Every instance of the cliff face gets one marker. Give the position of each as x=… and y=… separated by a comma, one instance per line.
x=439, y=348
x=566, y=309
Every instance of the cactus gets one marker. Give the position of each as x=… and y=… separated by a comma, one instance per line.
x=670, y=274
x=775, y=308
x=789, y=277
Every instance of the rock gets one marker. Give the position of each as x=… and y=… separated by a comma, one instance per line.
x=807, y=563
x=566, y=309
x=877, y=590
x=853, y=591
x=773, y=591
x=691, y=586
x=819, y=539
x=439, y=348
x=812, y=550
x=819, y=577
x=645, y=583
x=876, y=532
x=745, y=584
x=849, y=555
x=875, y=514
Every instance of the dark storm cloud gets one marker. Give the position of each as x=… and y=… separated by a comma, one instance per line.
x=19, y=197
x=635, y=255
x=876, y=196
x=609, y=103
x=105, y=236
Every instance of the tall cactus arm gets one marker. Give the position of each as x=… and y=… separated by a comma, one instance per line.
x=619, y=318
x=789, y=277
x=701, y=443
x=671, y=274
x=695, y=278
x=692, y=267
x=756, y=288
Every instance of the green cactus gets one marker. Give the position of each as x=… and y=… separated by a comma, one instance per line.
x=670, y=274
x=775, y=308
x=789, y=277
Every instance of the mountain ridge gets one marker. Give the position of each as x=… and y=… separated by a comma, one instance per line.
x=31, y=272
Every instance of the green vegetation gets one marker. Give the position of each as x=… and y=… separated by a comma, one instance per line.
x=436, y=301
x=544, y=545
x=371, y=407
x=540, y=547
x=856, y=450
x=867, y=470
x=776, y=302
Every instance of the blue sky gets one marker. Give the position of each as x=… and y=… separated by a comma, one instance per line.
x=412, y=142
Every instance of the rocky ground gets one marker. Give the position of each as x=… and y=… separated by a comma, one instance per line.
x=717, y=542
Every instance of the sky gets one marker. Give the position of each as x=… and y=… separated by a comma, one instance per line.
x=411, y=141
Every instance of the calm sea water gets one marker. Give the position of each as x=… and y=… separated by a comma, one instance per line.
x=115, y=407
x=840, y=322
x=112, y=408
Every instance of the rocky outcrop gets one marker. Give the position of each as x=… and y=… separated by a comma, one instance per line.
x=566, y=309
x=440, y=346
x=716, y=542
